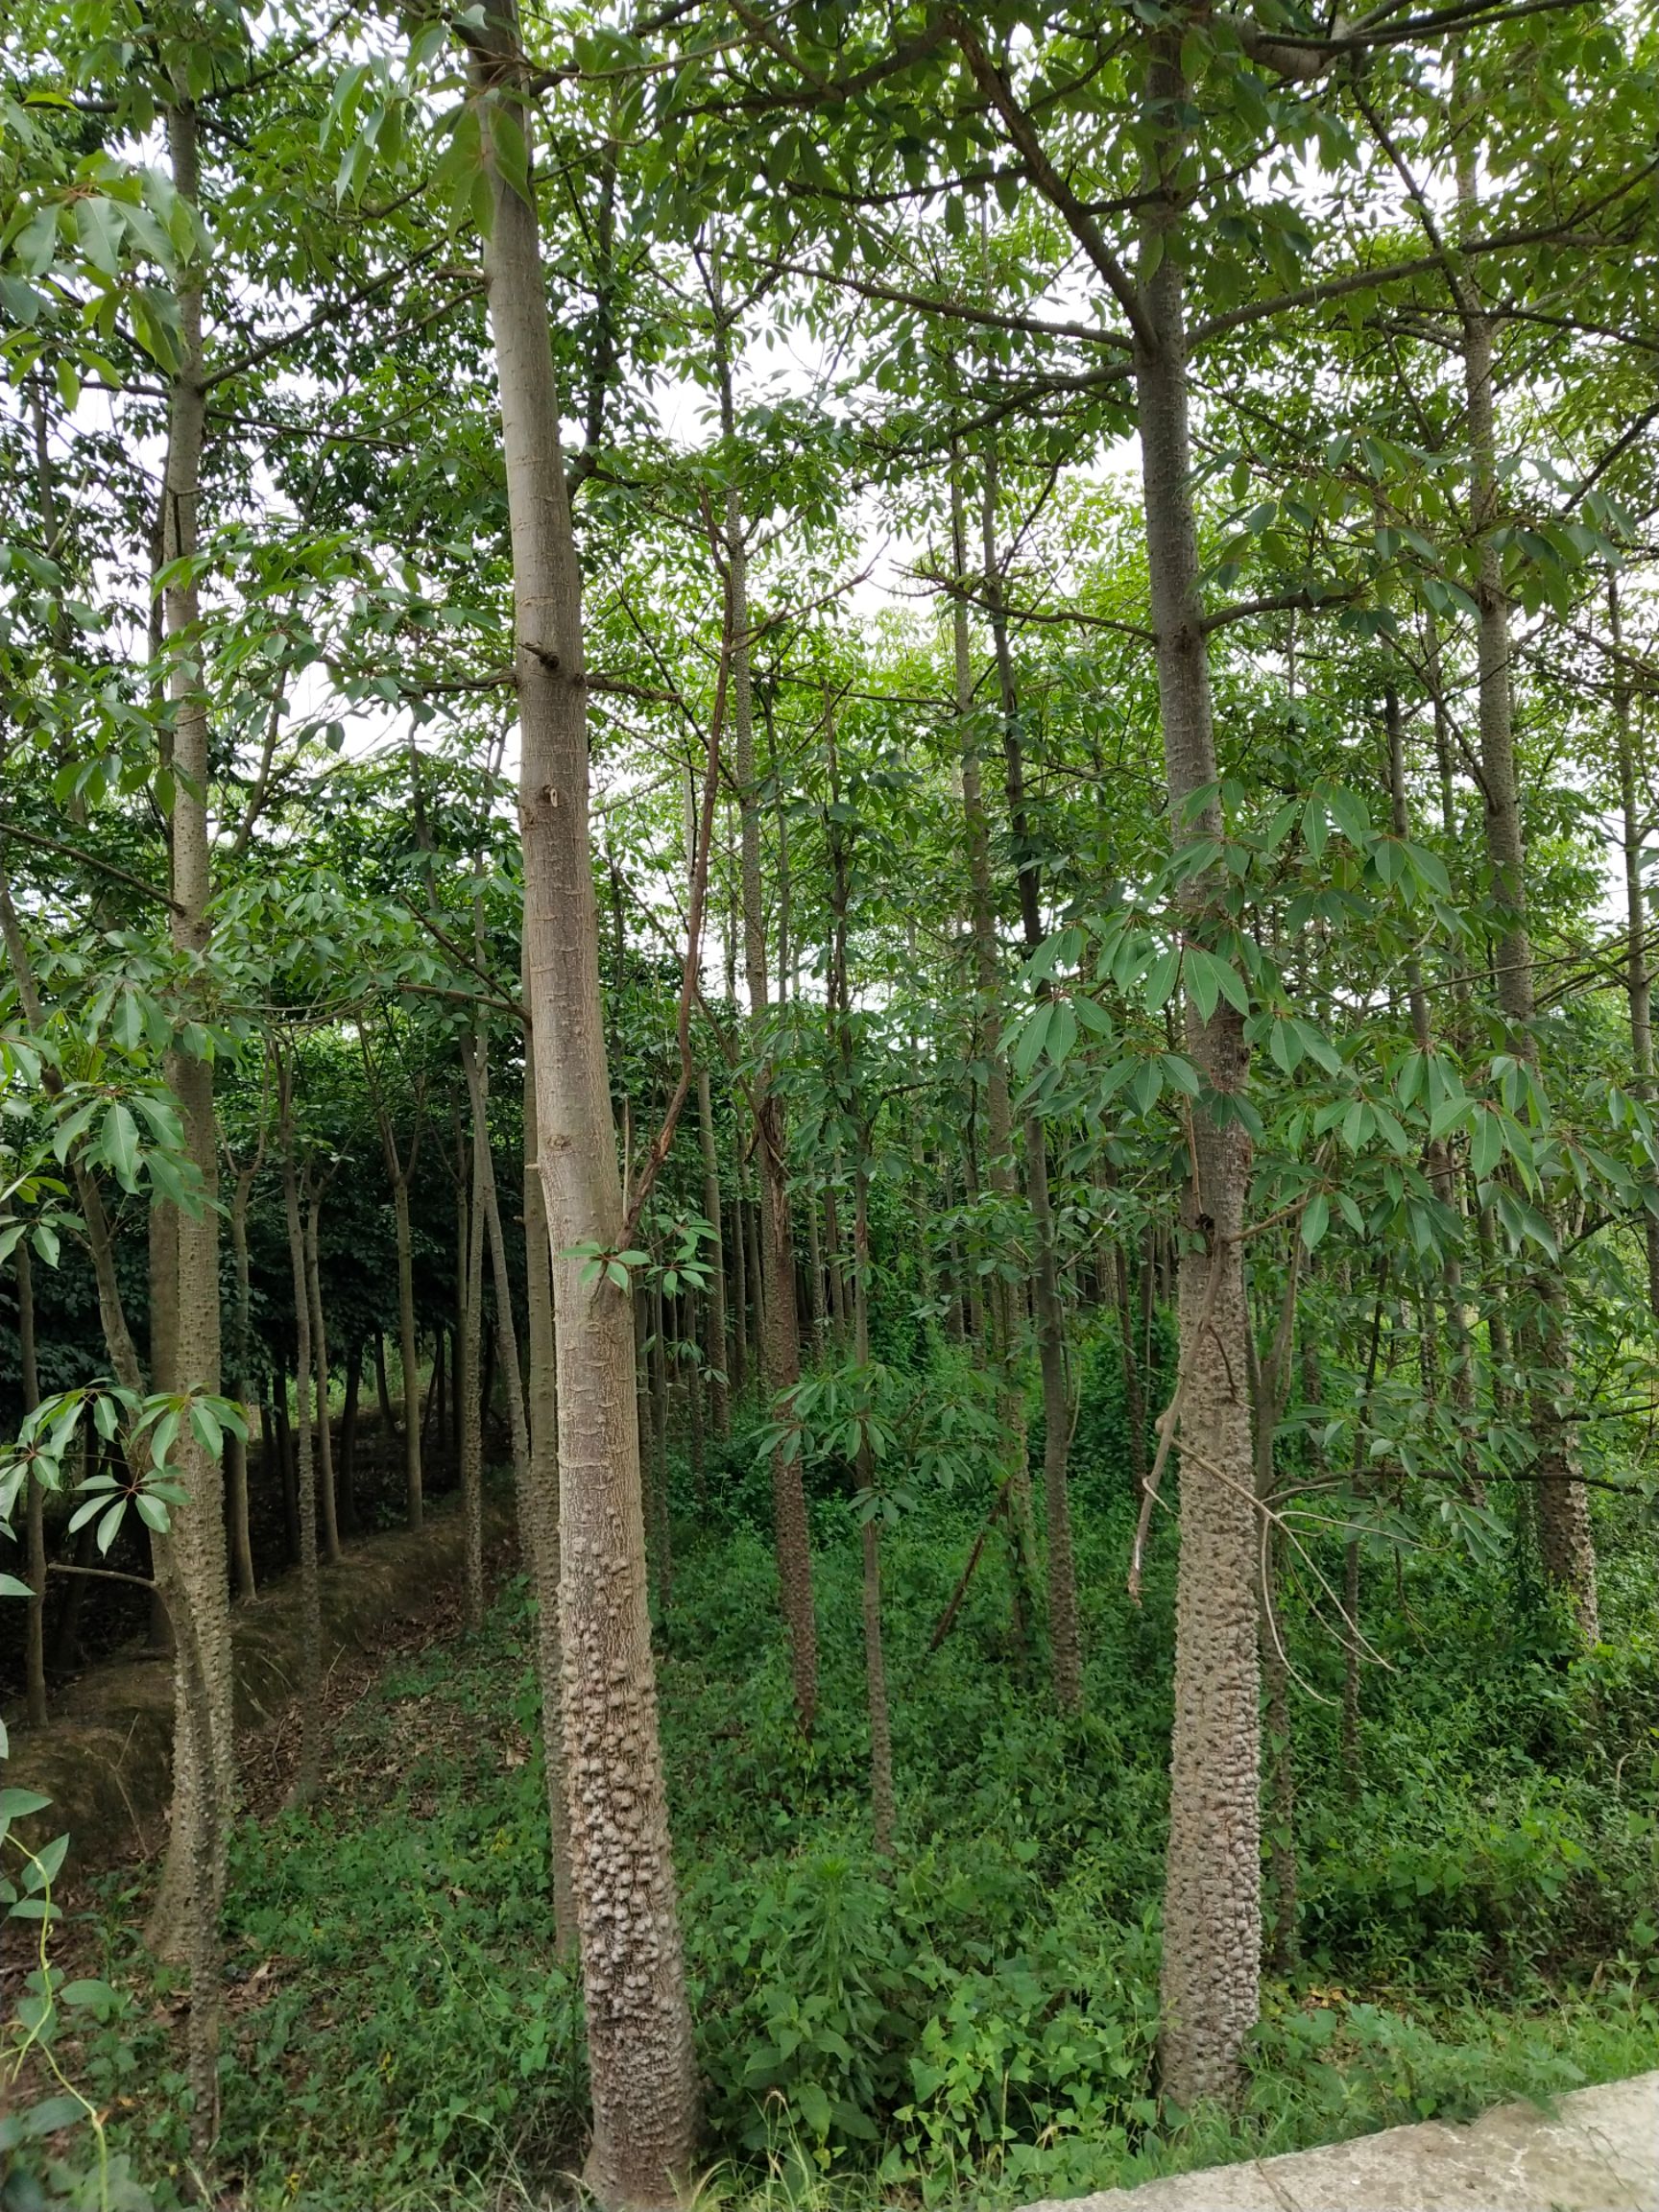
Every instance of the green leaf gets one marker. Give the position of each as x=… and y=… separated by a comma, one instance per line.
x=53, y=2113
x=12, y=1587
x=1486, y=1147
x=119, y=1144
x=1316, y=1219
x=1160, y=978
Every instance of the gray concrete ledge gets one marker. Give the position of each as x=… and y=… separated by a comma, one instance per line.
x=1595, y=2151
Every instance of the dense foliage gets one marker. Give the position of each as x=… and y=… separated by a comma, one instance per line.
x=874, y=783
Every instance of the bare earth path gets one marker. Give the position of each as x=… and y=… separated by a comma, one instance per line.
x=1595, y=2151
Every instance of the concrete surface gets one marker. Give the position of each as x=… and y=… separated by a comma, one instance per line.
x=1596, y=2151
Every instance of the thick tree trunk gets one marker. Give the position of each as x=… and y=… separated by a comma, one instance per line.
x=541, y=1505
x=640, y=2064
x=1211, y=1902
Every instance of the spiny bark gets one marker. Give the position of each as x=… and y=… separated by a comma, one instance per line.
x=1211, y=1900
x=641, y=2065
x=540, y=1505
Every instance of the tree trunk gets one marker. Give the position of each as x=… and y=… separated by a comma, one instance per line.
x=657, y=1486
x=541, y=1518
x=719, y=1394
x=1560, y=1500
x=353, y=1386
x=383, y=1388
x=988, y=1027
x=1638, y=982
x=739, y=1246
x=640, y=2064
x=331, y=1513
x=35, y=1529
x=304, y=1784
x=241, y=1346
x=775, y=1277
x=1438, y=1158
x=409, y=1351
x=1212, y=1903
x=192, y=1567
x=1065, y=1639
x=472, y=1167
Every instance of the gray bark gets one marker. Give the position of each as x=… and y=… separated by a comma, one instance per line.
x=640, y=2064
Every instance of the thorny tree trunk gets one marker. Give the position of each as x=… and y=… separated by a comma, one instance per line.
x=1269, y=1391
x=242, y=1333
x=775, y=1288
x=331, y=1513
x=1211, y=1902
x=540, y=1509
x=192, y=1566
x=305, y=1776
x=1561, y=1502
x=35, y=1528
x=1065, y=1640
x=719, y=1396
x=640, y=2064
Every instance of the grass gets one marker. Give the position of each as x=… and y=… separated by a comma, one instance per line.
x=978, y=2027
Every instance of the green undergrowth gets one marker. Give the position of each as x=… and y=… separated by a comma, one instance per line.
x=976, y=2024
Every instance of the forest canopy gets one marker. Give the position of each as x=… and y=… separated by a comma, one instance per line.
x=826, y=838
